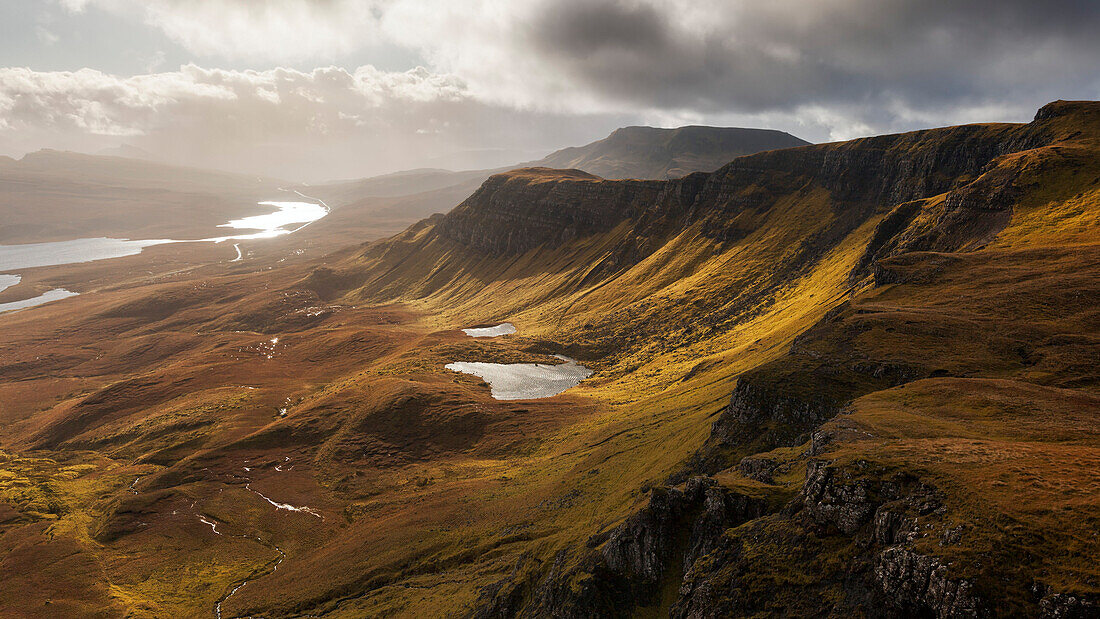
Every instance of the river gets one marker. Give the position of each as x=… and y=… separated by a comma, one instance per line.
x=289, y=217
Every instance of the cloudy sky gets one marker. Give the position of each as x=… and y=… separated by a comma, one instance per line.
x=313, y=89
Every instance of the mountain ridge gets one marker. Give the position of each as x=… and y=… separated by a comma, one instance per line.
x=660, y=153
x=394, y=201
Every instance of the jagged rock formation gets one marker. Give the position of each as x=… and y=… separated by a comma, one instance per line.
x=635, y=556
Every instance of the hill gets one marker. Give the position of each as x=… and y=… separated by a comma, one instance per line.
x=650, y=152
x=853, y=378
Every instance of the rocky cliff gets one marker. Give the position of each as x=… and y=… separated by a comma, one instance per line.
x=517, y=211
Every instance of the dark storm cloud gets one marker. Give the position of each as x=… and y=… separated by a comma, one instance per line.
x=362, y=86
x=780, y=55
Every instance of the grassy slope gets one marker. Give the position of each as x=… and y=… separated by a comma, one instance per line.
x=1007, y=435
x=422, y=519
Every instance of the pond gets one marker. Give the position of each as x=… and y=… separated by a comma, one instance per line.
x=525, y=381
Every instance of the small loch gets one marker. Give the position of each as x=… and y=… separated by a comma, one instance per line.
x=506, y=328
x=525, y=381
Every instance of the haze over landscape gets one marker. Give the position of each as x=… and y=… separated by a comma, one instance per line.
x=574, y=308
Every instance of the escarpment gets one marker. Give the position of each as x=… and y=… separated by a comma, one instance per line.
x=515, y=212
x=938, y=189
x=518, y=211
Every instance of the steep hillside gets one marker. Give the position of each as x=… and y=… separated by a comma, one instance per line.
x=852, y=378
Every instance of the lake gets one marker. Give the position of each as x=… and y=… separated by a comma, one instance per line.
x=31, y=255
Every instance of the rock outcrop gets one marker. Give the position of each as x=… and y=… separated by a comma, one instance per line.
x=919, y=585
x=627, y=565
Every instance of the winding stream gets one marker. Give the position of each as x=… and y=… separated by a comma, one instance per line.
x=286, y=506
x=268, y=568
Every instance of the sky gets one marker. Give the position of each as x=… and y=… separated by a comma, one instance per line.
x=323, y=89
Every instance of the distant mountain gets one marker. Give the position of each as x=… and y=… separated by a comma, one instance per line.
x=59, y=195
x=129, y=151
x=631, y=152
x=388, y=203
x=114, y=169
x=652, y=153
x=403, y=183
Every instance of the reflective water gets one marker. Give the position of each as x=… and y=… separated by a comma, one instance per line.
x=31, y=255
x=287, y=506
x=7, y=281
x=275, y=224
x=501, y=329
x=525, y=381
x=45, y=297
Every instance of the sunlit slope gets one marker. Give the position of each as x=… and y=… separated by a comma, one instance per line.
x=648, y=265
x=960, y=260
x=962, y=478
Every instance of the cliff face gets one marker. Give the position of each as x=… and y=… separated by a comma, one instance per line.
x=517, y=211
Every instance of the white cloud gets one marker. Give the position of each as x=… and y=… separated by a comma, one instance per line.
x=320, y=123
x=709, y=57
x=256, y=30
x=144, y=103
x=510, y=73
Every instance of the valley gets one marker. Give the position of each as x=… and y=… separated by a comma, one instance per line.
x=846, y=378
